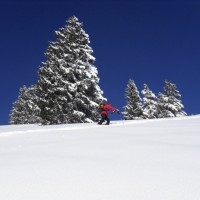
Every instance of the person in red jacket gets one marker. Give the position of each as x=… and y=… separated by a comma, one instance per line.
x=104, y=111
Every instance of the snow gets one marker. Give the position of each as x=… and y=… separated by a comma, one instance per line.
x=143, y=160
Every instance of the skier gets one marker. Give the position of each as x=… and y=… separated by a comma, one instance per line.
x=104, y=109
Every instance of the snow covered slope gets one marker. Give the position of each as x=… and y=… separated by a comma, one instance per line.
x=131, y=160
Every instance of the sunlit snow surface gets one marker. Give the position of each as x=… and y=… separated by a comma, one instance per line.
x=131, y=160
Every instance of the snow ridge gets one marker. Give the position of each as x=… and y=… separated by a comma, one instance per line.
x=140, y=159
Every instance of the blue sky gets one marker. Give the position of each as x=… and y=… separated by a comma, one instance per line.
x=147, y=41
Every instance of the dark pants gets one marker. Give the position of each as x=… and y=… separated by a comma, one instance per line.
x=104, y=118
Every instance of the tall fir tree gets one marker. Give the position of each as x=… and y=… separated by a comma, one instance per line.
x=68, y=81
x=133, y=109
x=150, y=104
x=170, y=104
x=25, y=110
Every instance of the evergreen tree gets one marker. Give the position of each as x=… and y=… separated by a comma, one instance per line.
x=170, y=103
x=25, y=109
x=150, y=104
x=133, y=109
x=163, y=106
x=68, y=81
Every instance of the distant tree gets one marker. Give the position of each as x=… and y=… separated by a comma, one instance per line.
x=150, y=104
x=25, y=109
x=68, y=81
x=169, y=104
x=133, y=109
x=163, y=106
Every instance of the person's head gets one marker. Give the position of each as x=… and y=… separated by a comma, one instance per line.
x=101, y=105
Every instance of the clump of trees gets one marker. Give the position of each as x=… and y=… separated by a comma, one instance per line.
x=68, y=91
x=167, y=104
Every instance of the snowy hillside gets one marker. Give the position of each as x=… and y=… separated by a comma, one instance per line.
x=131, y=160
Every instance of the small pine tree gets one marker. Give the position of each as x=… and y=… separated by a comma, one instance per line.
x=25, y=109
x=170, y=103
x=150, y=104
x=68, y=81
x=163, y=106
x=133, y=109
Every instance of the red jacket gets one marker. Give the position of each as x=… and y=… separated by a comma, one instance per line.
x=106, y=108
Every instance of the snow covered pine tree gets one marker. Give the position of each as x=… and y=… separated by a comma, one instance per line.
x=68, y=81
x=133, y=109
x=169, y=103
x=150, y=104
x=25, y=109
